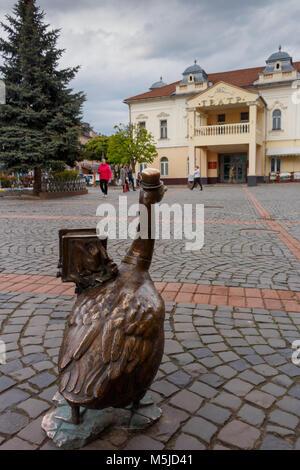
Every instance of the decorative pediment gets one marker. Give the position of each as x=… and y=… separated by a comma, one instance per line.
x=142, y=116
x=277, y=105
x=163, y=115
x=222, y=94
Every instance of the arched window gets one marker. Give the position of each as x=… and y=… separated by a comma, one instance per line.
x=164, y=166
x=276, y=116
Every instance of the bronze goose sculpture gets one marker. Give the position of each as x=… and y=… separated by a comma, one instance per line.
x=114, y=337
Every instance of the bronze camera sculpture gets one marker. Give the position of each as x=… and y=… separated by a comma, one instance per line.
x=114, y=337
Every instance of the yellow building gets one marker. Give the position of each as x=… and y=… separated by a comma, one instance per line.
x=245, y=119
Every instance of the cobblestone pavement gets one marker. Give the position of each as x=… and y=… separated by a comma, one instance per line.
x=227, y=379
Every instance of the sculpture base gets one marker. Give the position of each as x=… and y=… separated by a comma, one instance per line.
x=59, y=427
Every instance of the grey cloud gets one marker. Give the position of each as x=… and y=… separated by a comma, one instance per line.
x=123, y=46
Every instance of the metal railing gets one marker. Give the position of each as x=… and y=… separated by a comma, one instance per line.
x=224, y=129
x=51, y=185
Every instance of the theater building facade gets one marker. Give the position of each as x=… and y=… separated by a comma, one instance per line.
x=247, y=119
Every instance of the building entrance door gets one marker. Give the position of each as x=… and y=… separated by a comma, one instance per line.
x=238, y=162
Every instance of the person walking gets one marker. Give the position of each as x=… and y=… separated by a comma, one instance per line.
x=197, y=179
x=130, y=178
x=124, y=178
x=231, y=175
x=105, y=176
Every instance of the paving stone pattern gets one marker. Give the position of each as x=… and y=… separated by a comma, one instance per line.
x=226, y=380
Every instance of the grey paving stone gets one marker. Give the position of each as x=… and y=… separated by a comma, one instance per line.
x=265, y=370
x=200, y=428
x=227, y=400
x=34, y=358
x=186, y=442
x=284, y=432
x=295, y=391
x=202, y=353
x=254, y=359
x=33, y=432
x=284, y=419
x=228, y=356
x=282, y=380
x=180, y=379
x=11, y=398
x=173, y=347
x=163, y=387
x=11, y=422
x=5, y=383
x=251, y=377
x=251, y=415
x=23, y=374
x=203, y=390
x=33, y=407
x=210, y=362
x=214, y=413
x=17, y=444
x=273, y=443
x=48, y=393
x=184, y=358
x=290, y=404
x=187, y=401
x=143, y=442
x=260, y=398
x=238, y=387
x=226, y=371
x=273, y=389
x=240, y=365
x=43, y=380
x=290, y=369
x=239, y=434
x=213, y=380
x=11, y=366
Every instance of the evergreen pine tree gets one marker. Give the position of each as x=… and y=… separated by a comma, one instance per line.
x=40, y=122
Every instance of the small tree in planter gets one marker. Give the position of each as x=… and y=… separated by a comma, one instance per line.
x=131, y=144
x=40, y=122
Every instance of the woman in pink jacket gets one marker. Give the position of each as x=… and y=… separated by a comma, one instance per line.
x=105, y=176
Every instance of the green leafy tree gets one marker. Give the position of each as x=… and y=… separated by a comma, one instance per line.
x=96, y=148
x=40, y=122
x=131, y=144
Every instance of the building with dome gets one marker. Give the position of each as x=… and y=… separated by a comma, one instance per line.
x=248, y=119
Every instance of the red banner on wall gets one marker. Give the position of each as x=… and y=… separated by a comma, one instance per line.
x=212, y=165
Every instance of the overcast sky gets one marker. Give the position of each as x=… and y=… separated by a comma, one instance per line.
x=123, y=46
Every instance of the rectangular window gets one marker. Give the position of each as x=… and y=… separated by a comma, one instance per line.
x=142, y=124
x=164, y=129
x=221, y=118
x=245, y=117
x=275, y=164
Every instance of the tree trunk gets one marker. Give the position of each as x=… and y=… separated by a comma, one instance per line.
x=37, y=184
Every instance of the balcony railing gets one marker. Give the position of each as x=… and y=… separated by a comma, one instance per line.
x=225, y=129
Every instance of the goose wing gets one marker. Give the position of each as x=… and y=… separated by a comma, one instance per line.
x=103, y=342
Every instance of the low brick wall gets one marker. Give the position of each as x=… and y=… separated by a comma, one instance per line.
x=62, y=194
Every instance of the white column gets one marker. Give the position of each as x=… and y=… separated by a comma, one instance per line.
x=252, y=144
x=192, y=159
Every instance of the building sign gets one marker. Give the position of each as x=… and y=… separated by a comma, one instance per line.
x=212, y=165
x=221, y=101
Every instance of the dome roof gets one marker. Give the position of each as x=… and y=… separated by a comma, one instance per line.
x=157, y=84
x=195, y=68
x=279, y=55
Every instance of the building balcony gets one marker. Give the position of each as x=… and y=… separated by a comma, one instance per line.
x=235, y=133
x=223, y=129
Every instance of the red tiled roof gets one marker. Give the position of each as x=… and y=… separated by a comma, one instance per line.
x=241, y=78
